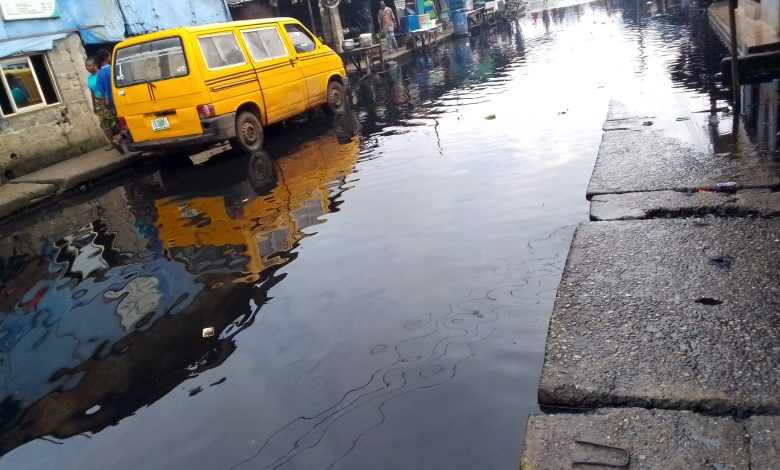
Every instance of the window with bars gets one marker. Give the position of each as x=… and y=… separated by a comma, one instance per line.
x=27, y=84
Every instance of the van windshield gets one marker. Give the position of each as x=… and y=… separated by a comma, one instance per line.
x=149, y=62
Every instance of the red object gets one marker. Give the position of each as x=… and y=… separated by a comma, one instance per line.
x=123, y=123
x=206, y=111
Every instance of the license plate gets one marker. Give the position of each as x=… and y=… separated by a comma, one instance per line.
x=160, y=124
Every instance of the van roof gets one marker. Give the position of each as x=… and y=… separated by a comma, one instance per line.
x=200, y=29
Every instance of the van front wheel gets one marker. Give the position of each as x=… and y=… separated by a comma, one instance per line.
x=249, y=133
x=336, y=97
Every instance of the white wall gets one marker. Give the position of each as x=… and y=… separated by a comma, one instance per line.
x=770, y=13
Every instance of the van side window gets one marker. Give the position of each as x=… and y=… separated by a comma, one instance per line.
x=264, y=44
x=300, y=38
x=221, y=50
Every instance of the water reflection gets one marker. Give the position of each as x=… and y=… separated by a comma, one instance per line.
x=761, y=107
x=413, y=320
x=98, y=321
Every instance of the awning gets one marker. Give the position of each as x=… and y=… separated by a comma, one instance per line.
x=29, y=45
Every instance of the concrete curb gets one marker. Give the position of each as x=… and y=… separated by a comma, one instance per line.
x=17, y=196
x=671, y=318
x=46, y=184
x=668, y=313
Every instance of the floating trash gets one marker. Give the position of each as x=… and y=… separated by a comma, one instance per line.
x=208, y=332
x=727, y=186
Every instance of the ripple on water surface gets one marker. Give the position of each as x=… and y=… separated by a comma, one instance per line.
x=379, y=283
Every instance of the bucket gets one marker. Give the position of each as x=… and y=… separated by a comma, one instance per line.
x=460, y=23
x=413, y=23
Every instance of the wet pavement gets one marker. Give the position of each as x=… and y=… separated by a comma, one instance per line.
x=668, y=313
x=379, y=282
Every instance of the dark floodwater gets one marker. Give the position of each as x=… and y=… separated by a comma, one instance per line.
x=379, y=284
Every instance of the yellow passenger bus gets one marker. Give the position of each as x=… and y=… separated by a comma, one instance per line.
x=201, y=85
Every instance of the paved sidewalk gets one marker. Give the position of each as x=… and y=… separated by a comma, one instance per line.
x=50, y=182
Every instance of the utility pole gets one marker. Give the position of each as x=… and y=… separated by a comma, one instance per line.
x=311, y=17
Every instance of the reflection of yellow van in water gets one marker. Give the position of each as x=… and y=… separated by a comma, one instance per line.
x=265, y=226
x=201, y=85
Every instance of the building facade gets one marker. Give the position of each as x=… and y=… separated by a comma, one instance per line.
x=46, y=113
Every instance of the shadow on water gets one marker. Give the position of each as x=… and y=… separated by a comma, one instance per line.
x=159, y=254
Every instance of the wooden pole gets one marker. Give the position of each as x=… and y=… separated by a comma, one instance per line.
x=734, y=59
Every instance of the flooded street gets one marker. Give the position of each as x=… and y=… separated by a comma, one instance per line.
x=379, y=282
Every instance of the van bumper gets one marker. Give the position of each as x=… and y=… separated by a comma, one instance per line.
x=214, y=130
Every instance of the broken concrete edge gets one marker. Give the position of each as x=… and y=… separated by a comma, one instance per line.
x=650, y=439
x=17, y=197
x=571, y=395
x=57, y=187
x=711, y=187
x=618, y=111
x=763, y=202
x=632, y=124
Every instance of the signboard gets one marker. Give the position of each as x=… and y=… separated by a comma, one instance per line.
x=29, y=9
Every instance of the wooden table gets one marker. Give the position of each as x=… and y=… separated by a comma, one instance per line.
x=358, y=54
x=423, y=33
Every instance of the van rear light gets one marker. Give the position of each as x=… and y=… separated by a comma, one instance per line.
x=206, y=111
x=123, y=123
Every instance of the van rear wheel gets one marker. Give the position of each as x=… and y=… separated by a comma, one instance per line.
x=249, y=133
x=336, y=97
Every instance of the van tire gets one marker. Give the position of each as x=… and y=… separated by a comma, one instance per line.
x=249, y=133
x=336, y=97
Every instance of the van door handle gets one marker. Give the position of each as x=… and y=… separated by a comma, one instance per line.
x=293, y=61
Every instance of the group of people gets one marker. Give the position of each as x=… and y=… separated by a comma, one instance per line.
x=388, y=22
x=99, y=82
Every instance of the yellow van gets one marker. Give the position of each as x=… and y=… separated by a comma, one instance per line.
x=200, y=85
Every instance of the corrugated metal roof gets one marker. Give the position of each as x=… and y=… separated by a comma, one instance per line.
x=143, y=16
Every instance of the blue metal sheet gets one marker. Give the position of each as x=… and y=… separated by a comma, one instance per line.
x=102, y=21
x=143, y=16
x=97, y=21
x=29, y=46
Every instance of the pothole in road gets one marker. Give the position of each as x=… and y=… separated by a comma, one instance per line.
x=722, y=262
x=708, y=301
